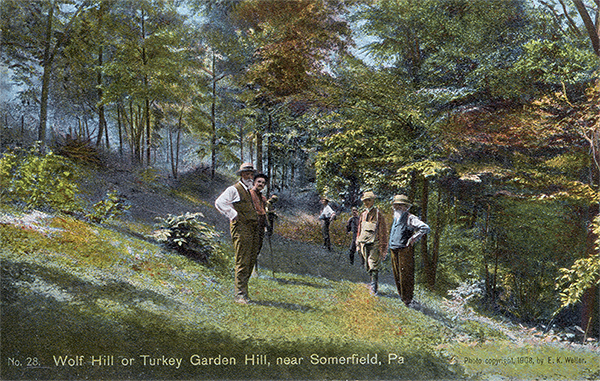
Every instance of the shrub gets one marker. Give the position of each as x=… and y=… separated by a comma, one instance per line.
x=188, y=235
x=39, y=180
x=582, y=275
x=302, y=227
x=308, y=228
x=112, y=205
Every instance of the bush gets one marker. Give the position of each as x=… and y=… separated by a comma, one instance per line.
x=582, y=275
x=308, y=228
x=189, y=236
x=39, y=180
x=112, y=205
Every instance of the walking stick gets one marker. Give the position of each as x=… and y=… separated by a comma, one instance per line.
x=271, y=217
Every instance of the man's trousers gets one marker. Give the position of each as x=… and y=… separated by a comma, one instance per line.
x=325, y=232
x=247, y=240
x=403, y=266
x=371, y=255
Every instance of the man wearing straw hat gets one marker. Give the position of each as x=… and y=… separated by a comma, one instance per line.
x=236, y=203
x=371, y=238
x=406, y=230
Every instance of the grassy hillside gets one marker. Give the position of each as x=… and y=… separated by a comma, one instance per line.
x=89, y=301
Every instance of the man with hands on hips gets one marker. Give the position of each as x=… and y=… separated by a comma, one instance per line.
x=406, y=230
x=244, y=207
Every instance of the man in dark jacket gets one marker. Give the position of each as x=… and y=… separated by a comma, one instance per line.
x=406, y=230
x=352, y=228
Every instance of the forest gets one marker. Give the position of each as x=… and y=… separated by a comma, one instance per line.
x=486, y=113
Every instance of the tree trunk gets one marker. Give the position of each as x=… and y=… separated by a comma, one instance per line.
x=259, y=151
x=269, y=151
x=177, y=146
x=412, y=186
x=177, y=150
x=119, y=126
x=170, y=153
x=47, y=65
x=101, y=118
x=439, y=226
x=590, y=300
x=148, y=133
x=592, y=30
x=213, y=120
x=251, y=149
x=488, y=278
x=241, y=143
x=429, y=272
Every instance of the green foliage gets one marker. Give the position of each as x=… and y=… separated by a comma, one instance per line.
x=366, y=142
x=429, y=169
x=528, y=263
x=291, y=51
x=582, y=275
x=111, y=206
x=189, y=236
x=39, y=180
x=555, y=62
x=460, y=256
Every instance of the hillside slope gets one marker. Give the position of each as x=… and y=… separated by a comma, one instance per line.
x=82, y=300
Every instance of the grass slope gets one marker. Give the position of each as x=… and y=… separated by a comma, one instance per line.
x=91, y=301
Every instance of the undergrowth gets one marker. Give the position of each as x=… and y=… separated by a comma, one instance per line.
x=307, y=228
x=40, y=180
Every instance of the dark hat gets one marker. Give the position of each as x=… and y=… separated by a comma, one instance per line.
x=246, y=167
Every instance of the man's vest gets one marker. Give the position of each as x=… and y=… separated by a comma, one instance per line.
x=244, y=207
x=400, y=232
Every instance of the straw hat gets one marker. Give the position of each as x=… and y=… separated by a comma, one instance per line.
x=401, y=199
x=368, y=195
x=246, y=167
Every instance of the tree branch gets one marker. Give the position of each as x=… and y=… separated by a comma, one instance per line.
x=67, y=30
x=570, y=20
x=589, y=25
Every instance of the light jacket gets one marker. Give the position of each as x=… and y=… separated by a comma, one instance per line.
x=373, y=215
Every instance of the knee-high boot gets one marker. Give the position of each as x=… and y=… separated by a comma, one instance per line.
x=374, y=281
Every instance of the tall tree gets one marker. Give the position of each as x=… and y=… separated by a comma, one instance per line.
x=150, y=54
x=226, y=59
x=291, y=52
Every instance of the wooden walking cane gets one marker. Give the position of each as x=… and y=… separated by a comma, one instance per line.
x=401, y=284
x=271, y=219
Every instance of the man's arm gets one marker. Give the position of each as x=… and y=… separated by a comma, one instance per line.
x=224, y=203
x=420, y=229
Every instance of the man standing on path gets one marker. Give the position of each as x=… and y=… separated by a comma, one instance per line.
x=327, y=215
x=372, y=238
x=406, y=230
x=236, y=204
x=352, y=228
